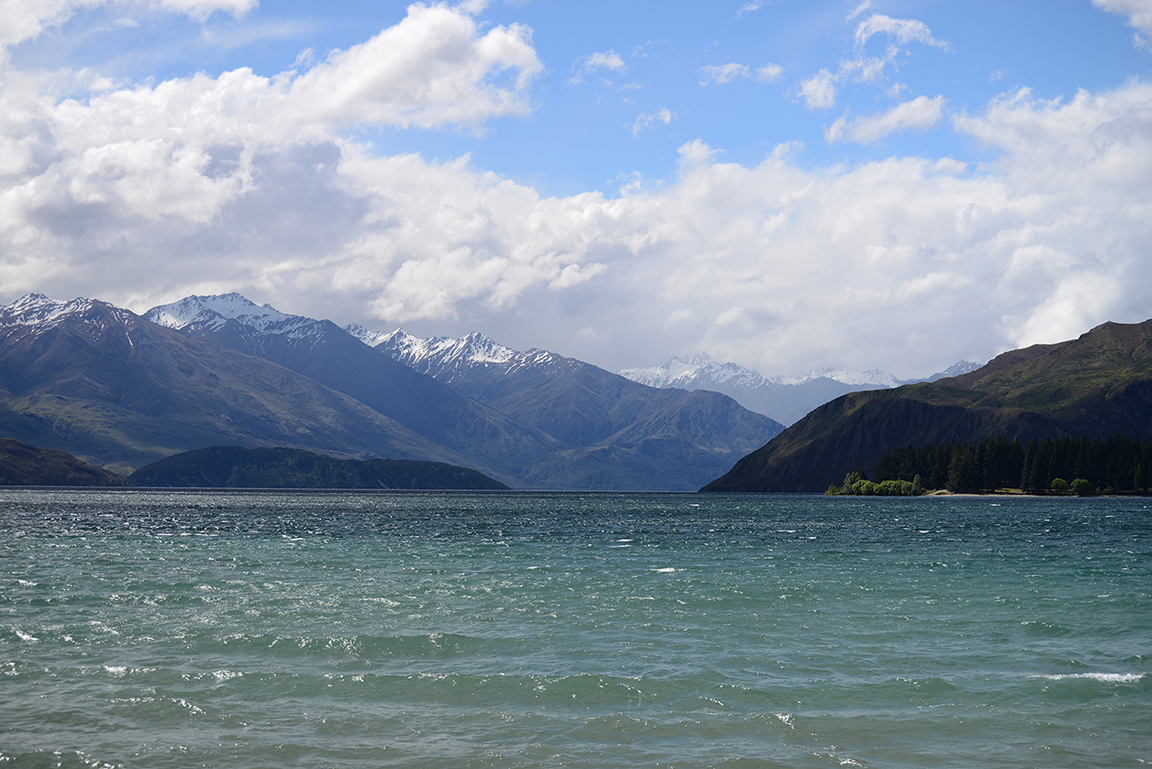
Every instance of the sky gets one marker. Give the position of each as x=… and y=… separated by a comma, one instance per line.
x=785, y=184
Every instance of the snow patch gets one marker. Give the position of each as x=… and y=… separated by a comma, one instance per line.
x=212, y=312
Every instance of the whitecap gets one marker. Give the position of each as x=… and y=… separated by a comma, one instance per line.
x=667, y=570
x=26, y=636
x=1113, y=678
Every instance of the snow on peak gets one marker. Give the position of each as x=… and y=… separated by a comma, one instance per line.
x=956, y=369
x=873, y=377
x=371, y=338
x=212, y=312
x=35, y=309
x=443, y=357
x=691, y=372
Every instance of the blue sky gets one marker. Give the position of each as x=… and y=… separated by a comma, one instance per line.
x=787, y=185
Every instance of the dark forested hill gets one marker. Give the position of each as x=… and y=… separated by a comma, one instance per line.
x=282, y=468
x=24, y=465
x=1095, y=386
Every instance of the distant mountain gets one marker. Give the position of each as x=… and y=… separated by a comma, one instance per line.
x=282, y=468
x=22, y=464
x=1095, y=386
x=785, y=399
x=616, y=433
x=475, y=435
x=120, y=392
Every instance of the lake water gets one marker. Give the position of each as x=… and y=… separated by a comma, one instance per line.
x=326, y=629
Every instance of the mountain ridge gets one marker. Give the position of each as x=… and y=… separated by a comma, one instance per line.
x=605, y=422
x=785, y=399
x=119, y=392
x=1095, y=386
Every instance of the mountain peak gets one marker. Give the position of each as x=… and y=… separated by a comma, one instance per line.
x=35, y=309
x=215, y=310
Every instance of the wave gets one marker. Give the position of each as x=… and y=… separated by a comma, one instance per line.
x=1111, y=678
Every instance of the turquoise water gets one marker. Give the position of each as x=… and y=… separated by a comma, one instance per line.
x=205, y=629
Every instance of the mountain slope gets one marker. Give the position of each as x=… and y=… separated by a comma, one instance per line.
x=120, y=392
x=616, y=433
x=491, y=441
x=24, y=465
x=1096, y=386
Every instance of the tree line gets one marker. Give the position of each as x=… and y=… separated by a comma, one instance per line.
x=1120, y=464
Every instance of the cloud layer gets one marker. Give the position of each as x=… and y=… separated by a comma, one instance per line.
x=143, y=194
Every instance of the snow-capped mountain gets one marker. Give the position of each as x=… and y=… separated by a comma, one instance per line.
x=614, y=430
x=210, y=314
x=448, y=359
x=41, y=312
x=530, y=418
x=117, y=391
x=785, y=399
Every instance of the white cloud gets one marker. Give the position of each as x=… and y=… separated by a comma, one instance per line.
x=1139, y=12
x=819, y=91
x=609, y=60
x=646, y=120
x=864, y=6
x=433, y=68
x=209, y=184
x=755, y=5
x=899, y=30
x=26, y=19
x=919, y=114
x=724, y=73
x=769, y=73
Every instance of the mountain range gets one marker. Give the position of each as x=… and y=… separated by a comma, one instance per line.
x=785, y=399
x=609, y=425
x=1095, y=386
x=121, y=390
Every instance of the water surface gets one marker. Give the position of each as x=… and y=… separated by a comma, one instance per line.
x=369, y=629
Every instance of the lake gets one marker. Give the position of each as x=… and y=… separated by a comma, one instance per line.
x=407, y=629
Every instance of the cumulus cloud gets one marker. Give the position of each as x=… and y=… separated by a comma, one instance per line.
x=919, y=114
x=819, y=91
